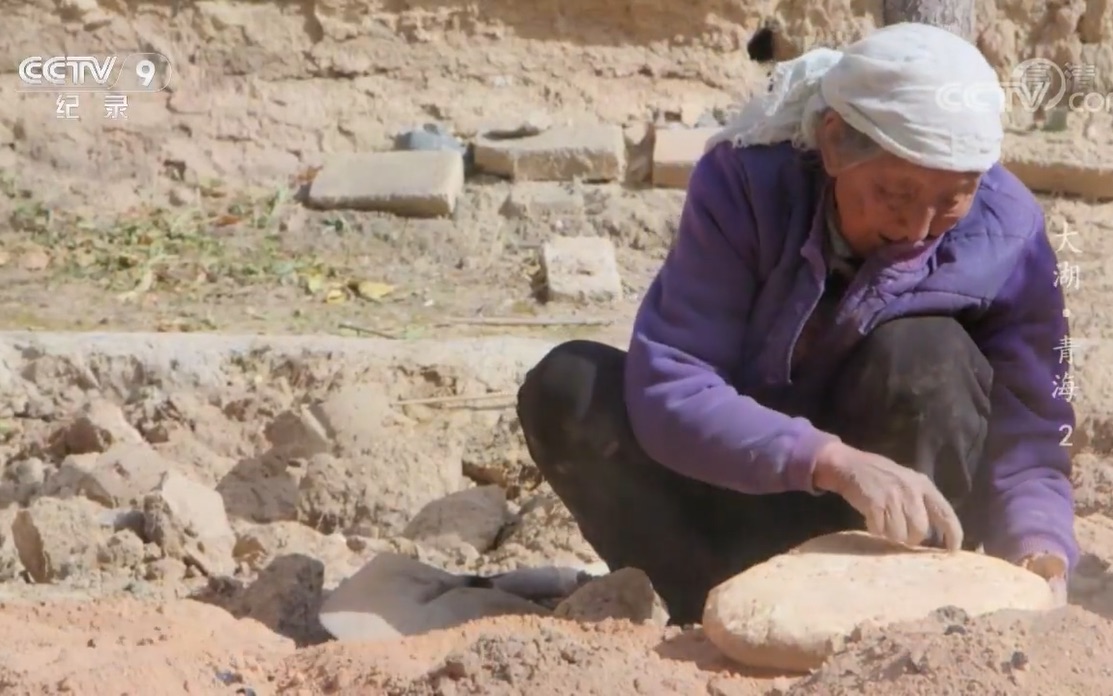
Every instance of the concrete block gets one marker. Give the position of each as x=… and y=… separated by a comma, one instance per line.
x=675, y=153
x=590, y=153
x=410, y=184
x=581, y=269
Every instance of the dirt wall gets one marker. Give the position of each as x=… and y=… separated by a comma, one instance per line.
x=262, y=89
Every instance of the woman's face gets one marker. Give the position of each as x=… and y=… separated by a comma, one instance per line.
x=885, y=200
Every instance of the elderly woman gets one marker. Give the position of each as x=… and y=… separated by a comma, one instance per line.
x=856, y=327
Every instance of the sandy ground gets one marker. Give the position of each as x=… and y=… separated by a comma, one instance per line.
x=184, y=220
x=111, y=646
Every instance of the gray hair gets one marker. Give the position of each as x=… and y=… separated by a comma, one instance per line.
x=854, y=145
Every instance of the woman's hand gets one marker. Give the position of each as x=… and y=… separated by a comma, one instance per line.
x=898, y=503
x=1052, y=568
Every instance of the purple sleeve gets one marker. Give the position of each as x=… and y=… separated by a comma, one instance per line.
x=688, y=340
x=1030, y=500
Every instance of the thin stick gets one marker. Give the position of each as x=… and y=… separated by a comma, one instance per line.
x=364, y=329
x=463, y=398
x=514, y=321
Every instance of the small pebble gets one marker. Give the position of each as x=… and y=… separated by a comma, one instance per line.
x=430, y=137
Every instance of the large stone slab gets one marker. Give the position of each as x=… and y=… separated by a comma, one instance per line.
x=580, y=269
x=589, y=153
x=412, y=184
x=1072, y=162
x=797, y=609
x=675, y=153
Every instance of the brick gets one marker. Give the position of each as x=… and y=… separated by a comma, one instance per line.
x=410, y=184
x=590, y=153
x=581, y=269
x=1063, y=165
x=675, y=153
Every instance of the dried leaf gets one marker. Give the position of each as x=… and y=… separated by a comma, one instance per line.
x=145, y=283
x=373, y=291
x=226, y=220
x=314, y=283
x=336, y=296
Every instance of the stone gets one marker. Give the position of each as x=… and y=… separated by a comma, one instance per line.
x=429, y=137
x=66, y=481
x=188, y=521
x=639, y=137
x=123, y=549
x=122, y=475
x=410, y=184
x=581, y=269
x=589, y=153
x=22, y=480
x=675, y=153
x=1063, y=164
x=354, y=417
x=794, y=611
x=394, y=596
x=473, y=516
x=10, y=564
x=544, y=200
x=297, y=434
x=543, y=533
x=375, y=479
x=257, y=546
x=626, y=593
x=100, y=425
x=1061, y=177
x=57, y=539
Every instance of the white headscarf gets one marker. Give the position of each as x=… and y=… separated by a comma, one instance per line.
x=898, y=85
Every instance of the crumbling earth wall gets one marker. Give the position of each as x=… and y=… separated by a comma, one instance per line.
x=262, y=89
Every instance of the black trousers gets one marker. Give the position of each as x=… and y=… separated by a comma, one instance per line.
x=915, y=390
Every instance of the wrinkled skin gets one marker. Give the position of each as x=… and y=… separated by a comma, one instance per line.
x=885, y=200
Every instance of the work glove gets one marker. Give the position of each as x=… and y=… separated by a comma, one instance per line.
x=897, y=503
x=1052, y=568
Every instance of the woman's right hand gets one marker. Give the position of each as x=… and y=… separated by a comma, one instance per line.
x=898, y=503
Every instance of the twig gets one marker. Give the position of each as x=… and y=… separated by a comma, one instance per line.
x=515, y=321
x=462, y=398
x=364, y=329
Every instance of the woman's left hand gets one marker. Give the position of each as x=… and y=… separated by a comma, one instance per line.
x=1053, y=569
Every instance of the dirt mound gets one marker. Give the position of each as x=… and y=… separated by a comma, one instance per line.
x=1067, y=651
x=92, y=646
x=108, y=646
x=516, y=655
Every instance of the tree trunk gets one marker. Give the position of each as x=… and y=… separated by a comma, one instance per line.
x=956, y=16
